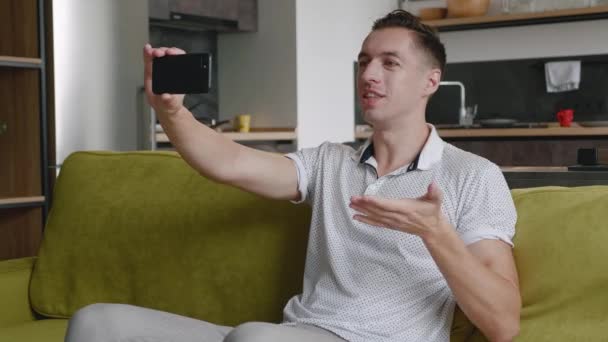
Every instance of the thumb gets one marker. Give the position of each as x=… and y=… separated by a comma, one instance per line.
x=433, y=194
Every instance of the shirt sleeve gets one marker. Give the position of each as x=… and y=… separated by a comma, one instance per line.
x=488, y=211
x=306, y=162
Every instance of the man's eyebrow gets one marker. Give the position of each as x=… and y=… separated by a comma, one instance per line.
x=362, y=55
x=391, y=54
x=385, y=53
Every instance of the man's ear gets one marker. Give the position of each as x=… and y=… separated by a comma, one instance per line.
x=432, y=81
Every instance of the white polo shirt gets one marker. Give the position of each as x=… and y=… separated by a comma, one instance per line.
x=366, y=283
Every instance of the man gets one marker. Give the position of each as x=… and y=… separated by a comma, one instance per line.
x=402, y=229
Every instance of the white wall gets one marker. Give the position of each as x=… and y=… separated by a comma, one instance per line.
x=563, y=39
x=257, y=71
x=329, y=37
x=297, y=70
x=98, y=68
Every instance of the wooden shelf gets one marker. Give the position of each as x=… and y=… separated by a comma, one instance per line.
x=17, y=202
x=513, y=132
x=24, y=145
x=249, y=136
x=523, y=132
x=21, y=62
x=519, y=19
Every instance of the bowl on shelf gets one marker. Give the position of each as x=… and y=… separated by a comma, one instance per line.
x=467, y=8
x=432, y=13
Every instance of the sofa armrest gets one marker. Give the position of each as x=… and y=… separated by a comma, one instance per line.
x=14, y=290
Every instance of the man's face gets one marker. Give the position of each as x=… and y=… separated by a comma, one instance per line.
x=394, y=77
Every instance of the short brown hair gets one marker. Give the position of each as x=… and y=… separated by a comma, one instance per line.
x=427, y=37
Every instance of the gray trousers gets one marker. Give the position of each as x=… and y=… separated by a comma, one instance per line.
x=127, y=323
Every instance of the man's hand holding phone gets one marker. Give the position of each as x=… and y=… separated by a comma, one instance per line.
x=169, y=74
x=162, y=103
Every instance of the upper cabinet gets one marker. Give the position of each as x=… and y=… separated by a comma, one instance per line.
x=207, y=15
x=222, y=9
x=519, y=19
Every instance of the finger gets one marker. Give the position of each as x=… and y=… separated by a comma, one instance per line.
x=368, y=220
x=402, y=206
x=379, y=203
x=433, y=194
x=147, y=53
x=166, y=97
x=377, y=212
x=160, y=52
x=375, y=221
x=175, y=51
x=148, y=57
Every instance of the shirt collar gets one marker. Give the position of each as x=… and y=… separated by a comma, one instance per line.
x=430, y=154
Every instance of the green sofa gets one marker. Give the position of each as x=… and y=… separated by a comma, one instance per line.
x=144, y=228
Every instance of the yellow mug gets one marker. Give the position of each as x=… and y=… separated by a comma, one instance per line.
x=243, y=123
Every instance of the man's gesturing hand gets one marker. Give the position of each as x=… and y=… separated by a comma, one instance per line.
x=421, y=216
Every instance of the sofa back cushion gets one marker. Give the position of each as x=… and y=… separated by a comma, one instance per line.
x=562, y=259
x=144, y=228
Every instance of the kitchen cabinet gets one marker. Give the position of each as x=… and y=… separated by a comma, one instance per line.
x=158, y=9
x=553, y=146
x=24, y=188
x=528, y=177
x=223, y=9
x=213, y=15
x=530, y=151
x=519, y=19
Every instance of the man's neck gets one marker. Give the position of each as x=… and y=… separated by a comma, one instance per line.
x=398, y=146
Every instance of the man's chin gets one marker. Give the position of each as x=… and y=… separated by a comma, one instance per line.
x=372, y=116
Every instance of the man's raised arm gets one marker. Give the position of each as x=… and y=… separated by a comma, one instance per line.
x=213, y=155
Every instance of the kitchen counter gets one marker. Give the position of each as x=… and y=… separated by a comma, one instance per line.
x=255, y=135
x=553, y=130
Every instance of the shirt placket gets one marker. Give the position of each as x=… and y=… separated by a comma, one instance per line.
x=373, y=188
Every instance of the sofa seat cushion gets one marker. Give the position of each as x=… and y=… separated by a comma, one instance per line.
x=562, y=260
x=36, y=331
x=14, y=297
x=144, y=228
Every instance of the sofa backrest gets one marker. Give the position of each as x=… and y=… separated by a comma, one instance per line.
x=561, y=255
x=144, y=228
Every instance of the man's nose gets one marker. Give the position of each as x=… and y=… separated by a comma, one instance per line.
x=371, y=72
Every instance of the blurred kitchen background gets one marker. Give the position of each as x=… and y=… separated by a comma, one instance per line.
x=526, y=83
x=290, y=65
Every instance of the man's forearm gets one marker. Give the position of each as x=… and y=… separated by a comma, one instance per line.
x=207, y=151
x=489, y=300
x=223, y=160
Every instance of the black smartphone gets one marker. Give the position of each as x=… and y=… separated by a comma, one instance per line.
x=182, y=74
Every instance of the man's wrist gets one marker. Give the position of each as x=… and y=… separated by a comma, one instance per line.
x=182, y=112
x=173, y=116
x=439, y=235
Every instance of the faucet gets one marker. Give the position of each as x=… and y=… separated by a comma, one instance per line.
x=465, y=117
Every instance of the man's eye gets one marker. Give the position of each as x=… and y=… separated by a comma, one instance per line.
x=363, y=63
x=391, y=63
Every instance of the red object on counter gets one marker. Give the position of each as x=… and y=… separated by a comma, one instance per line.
x=565, y=117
